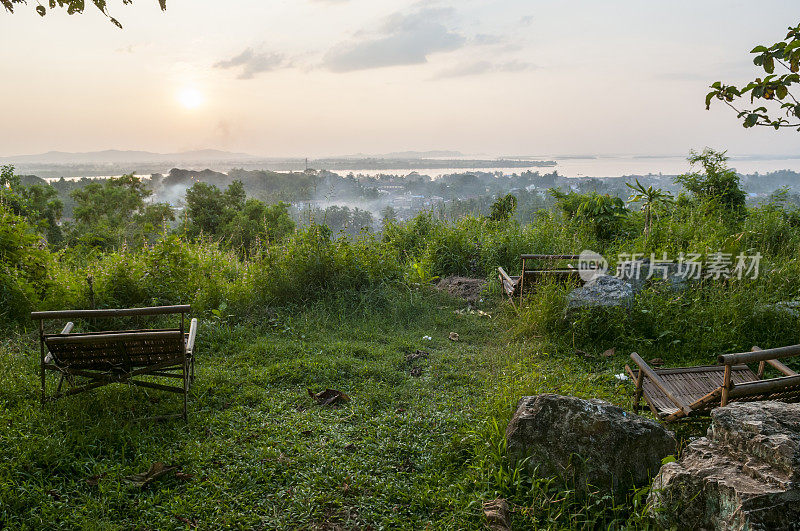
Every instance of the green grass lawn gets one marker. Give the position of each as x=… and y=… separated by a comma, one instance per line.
x=407, y=451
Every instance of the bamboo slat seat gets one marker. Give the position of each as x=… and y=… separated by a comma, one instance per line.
x=679, y=392
x=118, y=355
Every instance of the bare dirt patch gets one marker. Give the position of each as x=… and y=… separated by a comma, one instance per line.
x=467, y=288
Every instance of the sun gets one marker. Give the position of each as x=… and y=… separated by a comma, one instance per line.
x=190, y=98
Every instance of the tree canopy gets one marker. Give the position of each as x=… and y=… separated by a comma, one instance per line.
x=73, y=7
x=773, y=91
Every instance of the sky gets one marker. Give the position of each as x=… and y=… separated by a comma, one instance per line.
x=335, y=77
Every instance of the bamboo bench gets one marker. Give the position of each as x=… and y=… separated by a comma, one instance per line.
x=677, y=393
x=117, y=356
x=547, y=266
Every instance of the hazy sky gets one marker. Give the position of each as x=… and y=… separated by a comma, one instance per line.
x=324, y=77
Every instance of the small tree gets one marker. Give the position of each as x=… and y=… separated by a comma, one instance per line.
x=388, y=215
x=503, y=208
x=717, y=184
x=603, y=212
x=652, y=199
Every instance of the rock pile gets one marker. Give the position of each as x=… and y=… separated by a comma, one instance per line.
x=745, y=474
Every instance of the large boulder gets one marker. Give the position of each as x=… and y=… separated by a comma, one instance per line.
x=789, y=309
x=602, y=291
x=745, y=474
x=640, y=273
x=588, y=444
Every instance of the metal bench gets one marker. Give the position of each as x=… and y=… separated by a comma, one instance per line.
x=546, y=266
x=117, y=356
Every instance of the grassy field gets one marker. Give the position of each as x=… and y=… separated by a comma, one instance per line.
x=407, y=451
x=420, y=444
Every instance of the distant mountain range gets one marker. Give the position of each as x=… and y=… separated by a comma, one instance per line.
x=115, y=156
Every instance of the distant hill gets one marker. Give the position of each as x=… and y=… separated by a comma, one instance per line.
x=115, y=156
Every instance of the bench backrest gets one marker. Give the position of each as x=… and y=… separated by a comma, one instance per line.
x=123, y=350
x=126, y=350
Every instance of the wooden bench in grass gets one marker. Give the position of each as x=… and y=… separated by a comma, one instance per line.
x=680, y=392
x=536, y=267
x=118, y=356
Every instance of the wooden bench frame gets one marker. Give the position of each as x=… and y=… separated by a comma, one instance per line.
x=733, y=381
x=513, y=285
x=166, y=353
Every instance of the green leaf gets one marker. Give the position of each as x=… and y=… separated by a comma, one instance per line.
x=781, y=91
x=759, y=49
x=769, y=64
x=751, y=120
x=41, y=10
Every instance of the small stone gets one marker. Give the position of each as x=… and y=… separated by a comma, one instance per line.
x=497, y=515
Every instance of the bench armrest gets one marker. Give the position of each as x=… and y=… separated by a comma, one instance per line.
x=48, y=359
x=759, y=355
x=191, y=338
x=658, y=382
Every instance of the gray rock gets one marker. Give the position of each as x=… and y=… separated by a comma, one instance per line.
x=587, y=444
x=602, y=291
x=787, y=308
x=664, y=273
x=744, y=475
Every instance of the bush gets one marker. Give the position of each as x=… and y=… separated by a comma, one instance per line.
x=24, y=267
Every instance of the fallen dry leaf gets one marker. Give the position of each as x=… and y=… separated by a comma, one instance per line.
x=93, y=481
x=610, y=352
x=190, y=523
x=417, y=355
x=453, y=336
x=328, y=397
x=416, y=371
x=156, y=470
x=656, y=362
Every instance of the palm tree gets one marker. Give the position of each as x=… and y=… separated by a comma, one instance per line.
x=651, y=199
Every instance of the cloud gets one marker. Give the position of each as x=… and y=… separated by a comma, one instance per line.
x=485, y=67
x=402, y=39
x=253, y=63
x=485, y=39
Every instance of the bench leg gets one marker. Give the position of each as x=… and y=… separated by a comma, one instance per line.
x=637, y=396
x=185, y=387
